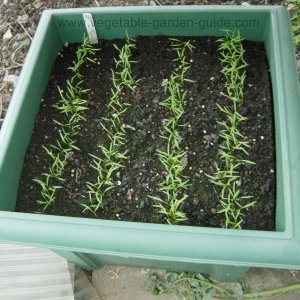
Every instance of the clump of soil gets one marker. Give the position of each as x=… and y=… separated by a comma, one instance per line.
x=143, y=171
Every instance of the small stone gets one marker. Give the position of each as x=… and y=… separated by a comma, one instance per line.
x=145, y=271
x=298, y=64
x=196, y=200
x=129, y=193
x=207, y=137
x=265, y=188
x=291, y=6
x=7, y=36
x=38, y=4
x=31, y=30
x=292, y=9
x=22, y=44
x=184, y=160
x=12, y=79
x=152, y=3
x=32, y=149
x=23, y=19
x=142, y=133
x=213, y=211
x=245, y=3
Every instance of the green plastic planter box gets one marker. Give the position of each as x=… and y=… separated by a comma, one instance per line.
x=223, y=253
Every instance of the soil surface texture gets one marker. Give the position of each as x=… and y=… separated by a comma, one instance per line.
x=143, y=171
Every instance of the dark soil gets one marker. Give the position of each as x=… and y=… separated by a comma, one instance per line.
x=143, y=171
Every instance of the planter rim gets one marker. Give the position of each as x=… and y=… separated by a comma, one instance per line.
x=162, y=8
x=243, y=233
x=231, y=247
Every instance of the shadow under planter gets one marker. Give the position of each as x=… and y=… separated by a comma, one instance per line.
x=90, y=243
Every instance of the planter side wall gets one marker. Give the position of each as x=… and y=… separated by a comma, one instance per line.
x=285, y=88
x=21, y=114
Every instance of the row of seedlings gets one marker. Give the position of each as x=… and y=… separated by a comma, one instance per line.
x=110, y=158
x=72, y=105
x=175, y=184
x=233, y=150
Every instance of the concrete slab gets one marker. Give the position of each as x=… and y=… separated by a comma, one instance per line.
x=123, y=283
x=257, y=279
